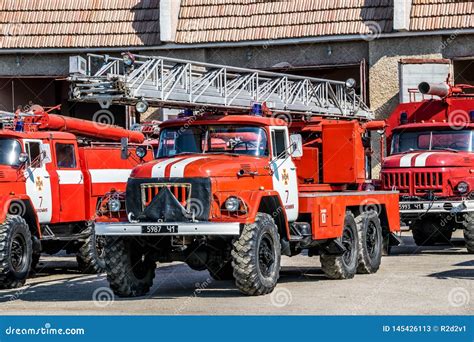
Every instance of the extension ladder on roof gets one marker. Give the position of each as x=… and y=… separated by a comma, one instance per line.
x=175, y=83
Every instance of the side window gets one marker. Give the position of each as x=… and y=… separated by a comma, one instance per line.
x=34, y=154
x=279, y=144
x=65, y=156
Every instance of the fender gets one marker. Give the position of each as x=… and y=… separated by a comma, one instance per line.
x=278, y=213
x=21, y=205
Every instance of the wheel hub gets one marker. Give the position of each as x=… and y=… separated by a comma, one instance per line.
x=266, y=256
x=18, y=253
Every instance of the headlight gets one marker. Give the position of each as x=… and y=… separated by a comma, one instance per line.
x=141, y=106
x=114, y=205
x=462, y=187
x=232, y=204
x=141, y=152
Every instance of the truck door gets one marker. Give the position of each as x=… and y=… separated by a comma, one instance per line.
x=71, y=182
x=284, y=172
x=38, y=182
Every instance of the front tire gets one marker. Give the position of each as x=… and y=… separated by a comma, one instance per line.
x=256, y=257
x=130, y=271
x=16, y=250
x=343, y=266
x=90, y=257
x=370, y=243
x=429, y=233
x=469, y=233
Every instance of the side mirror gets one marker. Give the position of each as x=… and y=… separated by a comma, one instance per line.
x=23, y=158
x=296, y=145
x=124, y=148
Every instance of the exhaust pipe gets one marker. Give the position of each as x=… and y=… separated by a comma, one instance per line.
x=438, y=89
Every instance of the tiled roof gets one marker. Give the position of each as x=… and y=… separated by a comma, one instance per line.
x=78, y=23
x=240, y=20
x=441, y=14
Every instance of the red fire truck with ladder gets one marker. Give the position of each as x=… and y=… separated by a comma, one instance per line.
x=52, y=177
x=431, y=163
x=257, y=166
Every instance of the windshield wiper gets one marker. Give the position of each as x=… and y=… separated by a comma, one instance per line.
x=223, y=152
x=410, y=150
x=445, y=149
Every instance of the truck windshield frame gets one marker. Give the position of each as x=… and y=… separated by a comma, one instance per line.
x=432, y=140
x=209, y=139
x=10, y=150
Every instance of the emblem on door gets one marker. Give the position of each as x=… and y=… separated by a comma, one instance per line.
x=39, y=183
x=285, y=177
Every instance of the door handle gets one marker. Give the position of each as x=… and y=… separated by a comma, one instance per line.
x=46, y=176
x=293, y=168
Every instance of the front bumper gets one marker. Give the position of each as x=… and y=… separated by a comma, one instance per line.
x=436, y=207
x=167, y=229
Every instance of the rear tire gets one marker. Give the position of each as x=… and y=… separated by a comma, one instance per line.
x=343, y=266
x=256, y=257
x=130, y=271
x=90, y=257
x=16, y=250
x=370, y=243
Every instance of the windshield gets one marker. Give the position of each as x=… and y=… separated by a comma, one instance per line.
x=432, y=140
x=9, y=152
x=213, y=139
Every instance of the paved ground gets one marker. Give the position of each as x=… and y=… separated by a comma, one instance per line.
x=412, y=281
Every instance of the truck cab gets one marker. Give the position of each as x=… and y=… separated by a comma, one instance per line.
x=430, y=162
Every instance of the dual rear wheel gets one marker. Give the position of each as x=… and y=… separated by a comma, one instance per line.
x=362, y=242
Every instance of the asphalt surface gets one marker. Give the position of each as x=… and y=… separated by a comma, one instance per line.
x=411, y=281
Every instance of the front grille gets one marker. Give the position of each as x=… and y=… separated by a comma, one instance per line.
x=427, y=181
x=182, y=192
x=397, y=180
x=414, y=183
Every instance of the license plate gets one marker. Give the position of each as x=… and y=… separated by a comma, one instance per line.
x=160, y=229
x=411, y=206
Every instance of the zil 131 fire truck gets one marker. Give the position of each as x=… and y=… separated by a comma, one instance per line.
x=51, y=178
x=431, y=163
x=233, y=189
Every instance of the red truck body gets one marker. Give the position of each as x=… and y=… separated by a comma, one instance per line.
x=52, y=181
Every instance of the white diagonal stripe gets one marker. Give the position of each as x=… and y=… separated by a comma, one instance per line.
x=421, y=159
x=177, y=170
x=159, y=168
x=405, y=161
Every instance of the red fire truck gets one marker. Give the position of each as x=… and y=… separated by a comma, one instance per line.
x=51, y=178
x=231, y=190
x=430, y=162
